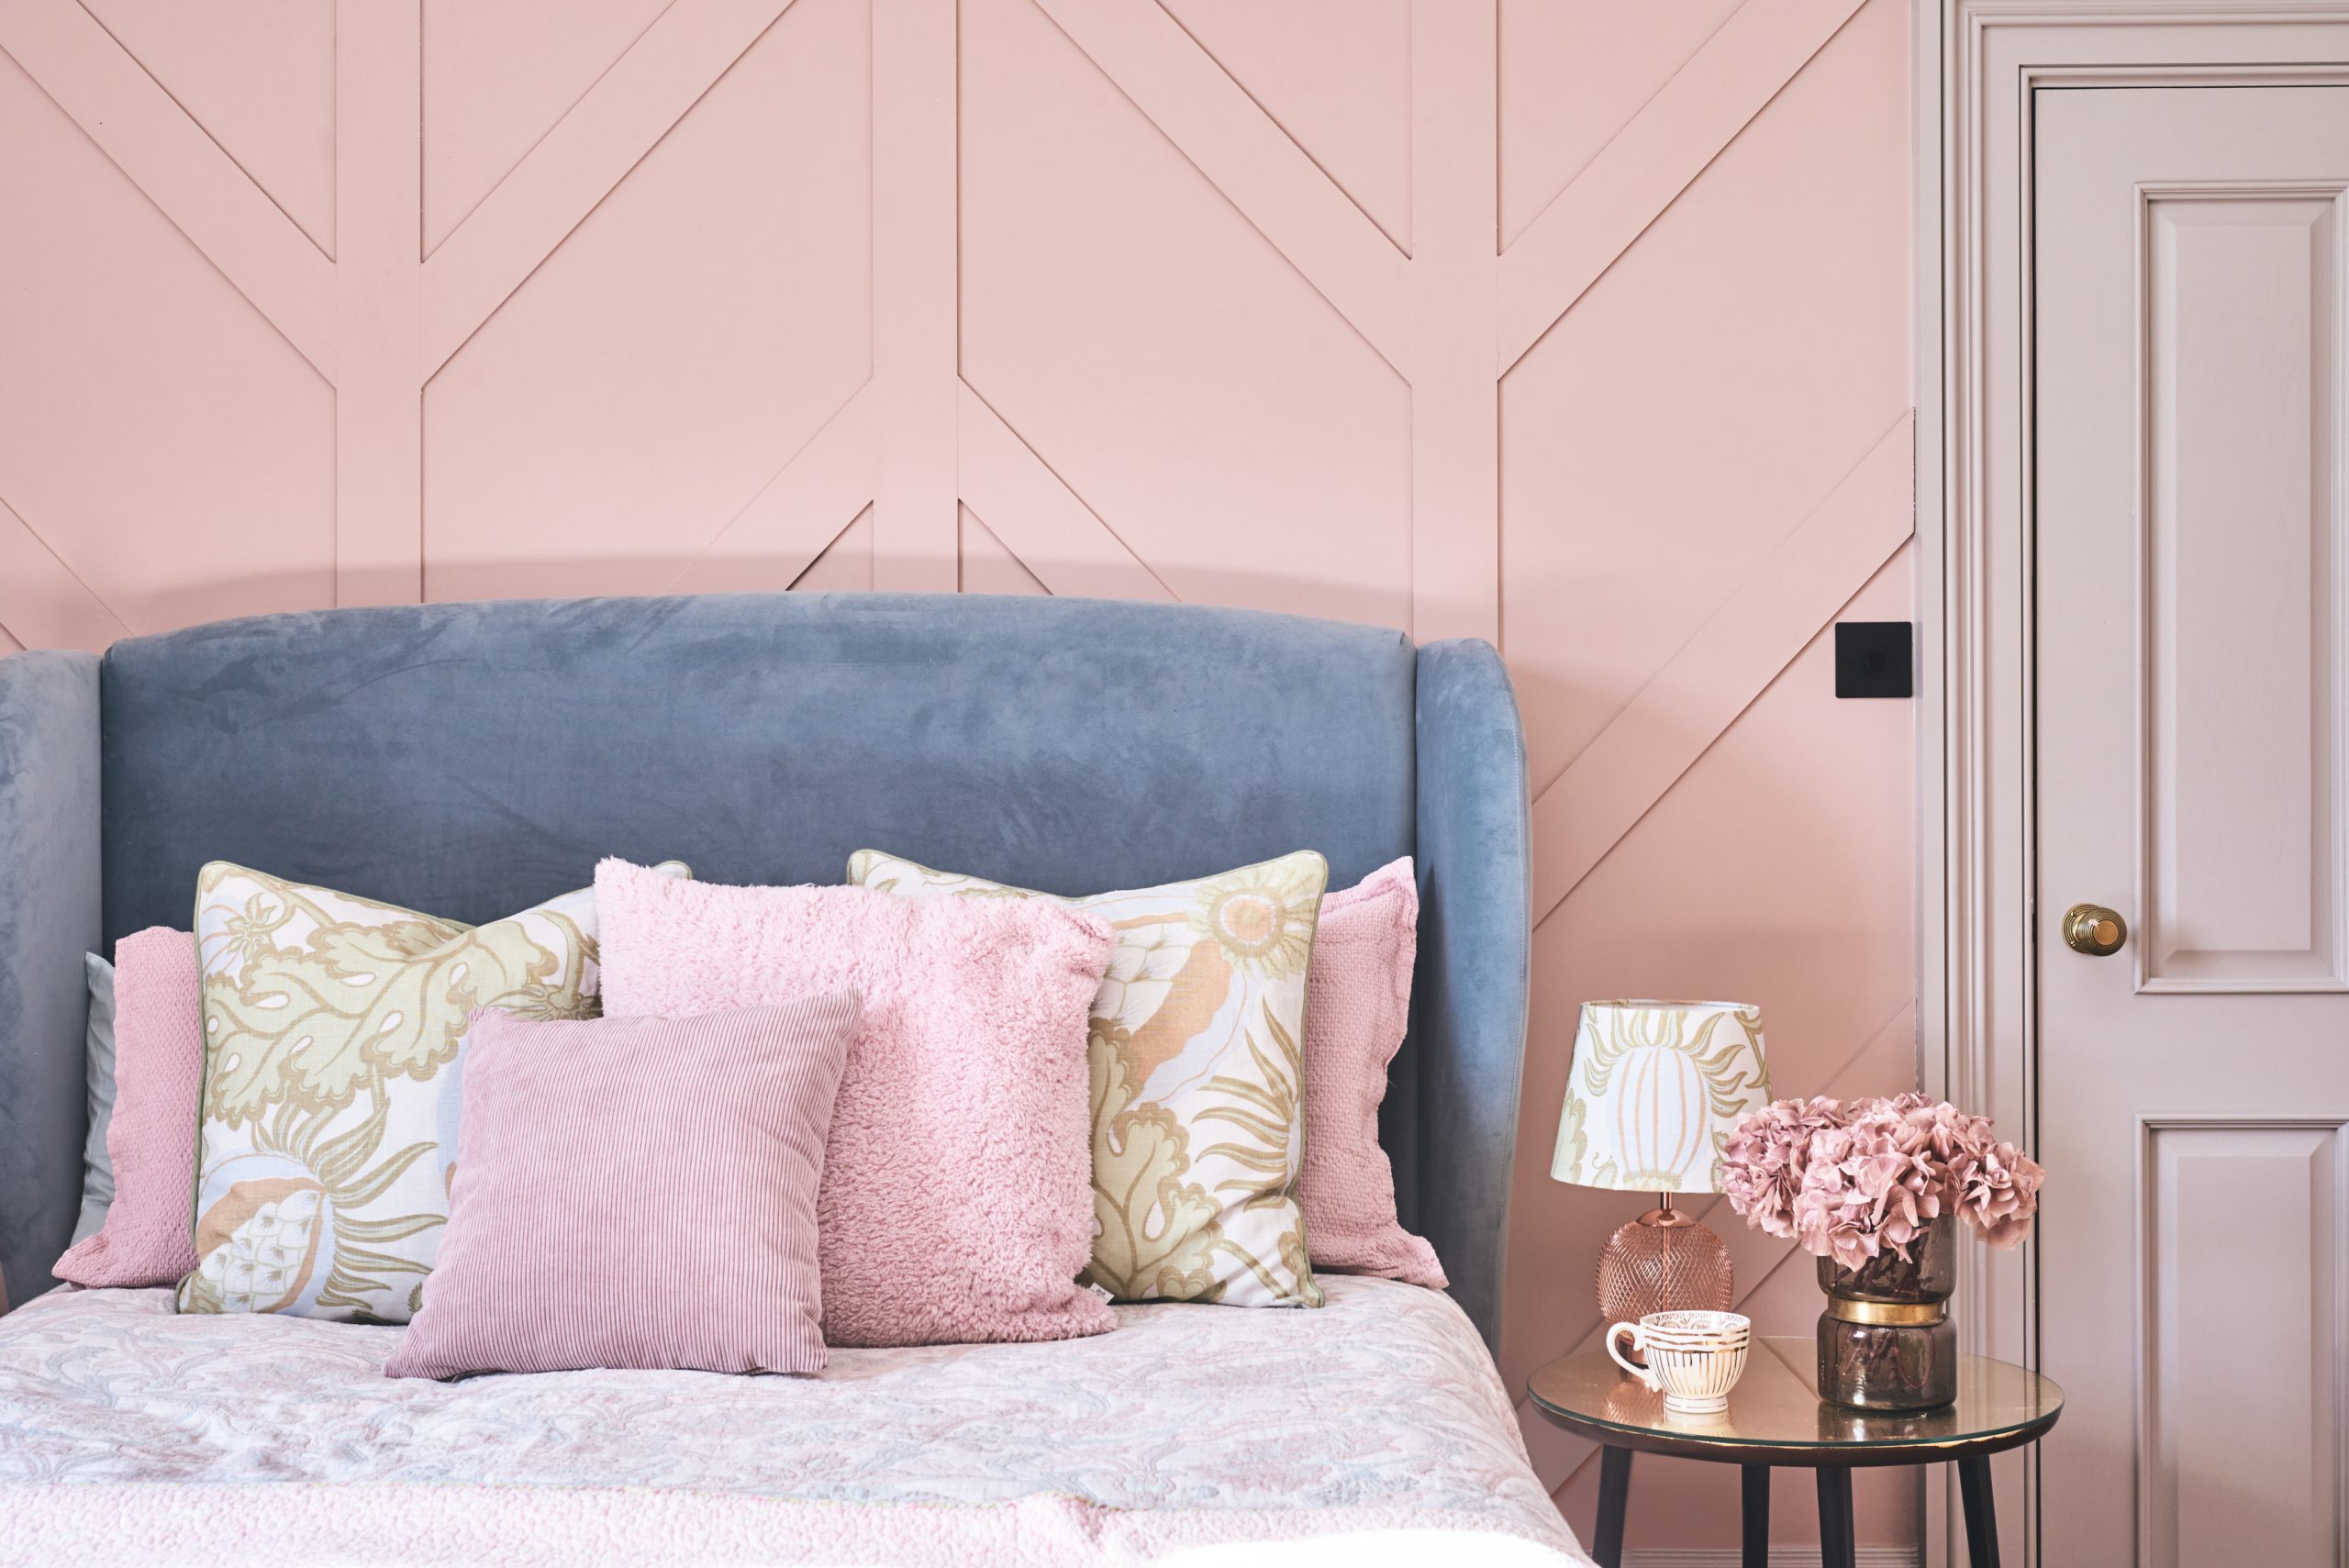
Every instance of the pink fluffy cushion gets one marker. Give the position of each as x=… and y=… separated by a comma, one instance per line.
x=957, y=1203
x=1358, y=1003
x=636, y=1193
x=148, y=1237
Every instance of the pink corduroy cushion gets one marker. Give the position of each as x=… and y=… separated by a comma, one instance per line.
x=957, y=1203
x=150, y=1234
x=1358, y=1004
x=635, y=1192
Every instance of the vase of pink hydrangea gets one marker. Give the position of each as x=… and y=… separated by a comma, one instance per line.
x=1875, y=1189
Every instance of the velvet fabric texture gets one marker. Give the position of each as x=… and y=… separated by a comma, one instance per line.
x=636, y=1193
x=97, y=1040
x=957, y=1195
x=1360, y=1004
x=159, y=1068
x=49, y=920
x=1449, y=1120
x=759, y=738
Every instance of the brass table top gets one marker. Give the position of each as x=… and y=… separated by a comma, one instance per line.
x=1776, y=1416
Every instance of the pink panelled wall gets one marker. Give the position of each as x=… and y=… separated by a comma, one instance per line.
x=1573, y=322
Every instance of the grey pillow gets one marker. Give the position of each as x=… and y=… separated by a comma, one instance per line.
x=98, y=1171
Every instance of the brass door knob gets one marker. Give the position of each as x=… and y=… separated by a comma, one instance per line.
x=2094, y=929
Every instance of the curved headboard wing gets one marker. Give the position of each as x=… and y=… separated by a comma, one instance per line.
x=1466, y=1051
x=49, y=919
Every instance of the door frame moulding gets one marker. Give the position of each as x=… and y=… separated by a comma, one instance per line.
x=1979, y=63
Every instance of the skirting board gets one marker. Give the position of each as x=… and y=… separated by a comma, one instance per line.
x=1780, y=1557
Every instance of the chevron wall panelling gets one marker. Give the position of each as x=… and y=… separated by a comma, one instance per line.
x=1579, y=325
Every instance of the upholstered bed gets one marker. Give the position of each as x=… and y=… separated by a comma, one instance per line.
x=1292, y=1435
x=469, y=758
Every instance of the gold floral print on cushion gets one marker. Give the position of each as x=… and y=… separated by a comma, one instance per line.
x=1197, y=1077
x=259, y=1244
x=333, y=1029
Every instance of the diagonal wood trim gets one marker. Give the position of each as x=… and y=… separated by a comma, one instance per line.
x=1754, y=1257
x=1056, y=535
x=916, y=294
x=592, y=149
x=811, y=500
x=182, y=170
x=42, y=602
x=1719, y=672
x=1746, y=62
x=1455, y=407
x=379, y=403
x=1246, y=154
x=863, y=515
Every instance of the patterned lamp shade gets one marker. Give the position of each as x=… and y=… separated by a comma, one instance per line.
x=1655, y=1088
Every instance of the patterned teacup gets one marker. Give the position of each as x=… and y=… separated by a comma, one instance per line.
x=1694, y=1358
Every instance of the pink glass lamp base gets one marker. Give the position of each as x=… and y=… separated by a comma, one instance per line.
x=1663, y=1262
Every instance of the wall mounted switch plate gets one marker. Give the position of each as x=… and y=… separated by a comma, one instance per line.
x=1874, y=659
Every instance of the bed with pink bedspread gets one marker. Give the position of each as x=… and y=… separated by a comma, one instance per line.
x=1373, y=1431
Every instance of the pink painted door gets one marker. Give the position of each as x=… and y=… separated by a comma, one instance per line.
x=2195, y=1084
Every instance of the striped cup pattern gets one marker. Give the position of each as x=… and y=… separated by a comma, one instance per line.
x=1694, y=1358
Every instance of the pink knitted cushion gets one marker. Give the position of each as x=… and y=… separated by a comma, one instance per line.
x=1358, y=1003
x=957, y=1202
x=148, y=1237
x=636, y=1193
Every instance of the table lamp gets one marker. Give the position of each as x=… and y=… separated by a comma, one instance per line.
x=1654, y=1090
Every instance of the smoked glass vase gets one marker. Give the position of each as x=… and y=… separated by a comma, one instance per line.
x=1885, y=1341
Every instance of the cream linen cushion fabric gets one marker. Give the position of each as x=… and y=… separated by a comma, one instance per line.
x=334, y=1034
x=1195, y=1057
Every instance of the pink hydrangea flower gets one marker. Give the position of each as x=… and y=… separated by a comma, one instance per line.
x=1999, y=1193
x=1865, y=1191
x=1852, y=1182
x=1762, y=1164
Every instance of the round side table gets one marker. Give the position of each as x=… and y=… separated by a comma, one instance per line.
x=1776, y=1417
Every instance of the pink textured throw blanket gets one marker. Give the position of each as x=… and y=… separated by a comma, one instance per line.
x=281, y=1525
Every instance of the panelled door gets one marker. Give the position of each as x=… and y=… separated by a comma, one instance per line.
x=2188, y=269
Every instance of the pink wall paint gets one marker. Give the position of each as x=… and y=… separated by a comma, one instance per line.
x=1579, y=325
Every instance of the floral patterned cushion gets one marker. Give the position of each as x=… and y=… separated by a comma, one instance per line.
x=334, y=1031
x=1196, y=1062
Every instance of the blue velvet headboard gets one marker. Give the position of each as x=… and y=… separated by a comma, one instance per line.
x=470, y=759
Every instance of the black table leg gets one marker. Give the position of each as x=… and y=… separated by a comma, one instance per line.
x=1836, y=1547
x=1614, y=1495
x=1981, y=1511
x=1756, y=1530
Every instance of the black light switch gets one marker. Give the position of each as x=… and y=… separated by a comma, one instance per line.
x=1873, y=659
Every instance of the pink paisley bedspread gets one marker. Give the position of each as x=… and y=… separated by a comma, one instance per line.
x=1373, y=1431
